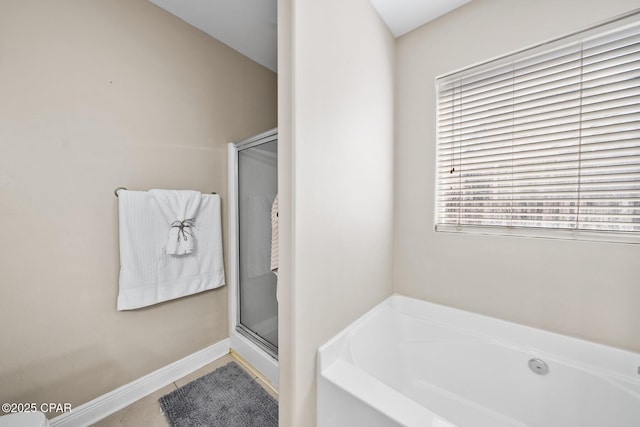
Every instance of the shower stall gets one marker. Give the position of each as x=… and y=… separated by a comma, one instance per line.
x=253, y=186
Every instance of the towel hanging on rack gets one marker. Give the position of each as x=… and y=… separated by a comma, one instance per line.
x=148, y=275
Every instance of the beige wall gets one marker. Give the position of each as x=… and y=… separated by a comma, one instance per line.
x=585, y=289
x=96, y=95
x=336, y=159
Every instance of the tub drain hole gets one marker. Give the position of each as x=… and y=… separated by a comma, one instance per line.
x=538, y=366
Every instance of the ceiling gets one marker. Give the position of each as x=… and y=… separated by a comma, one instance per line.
x=248, y=26
x=402, y=16
x=251, y=26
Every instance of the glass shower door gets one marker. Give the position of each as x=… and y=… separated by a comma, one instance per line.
x=257, y=188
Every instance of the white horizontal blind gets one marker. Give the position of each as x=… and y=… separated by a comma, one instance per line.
x=548, y=140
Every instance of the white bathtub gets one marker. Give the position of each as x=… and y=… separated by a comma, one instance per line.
x=412, y=363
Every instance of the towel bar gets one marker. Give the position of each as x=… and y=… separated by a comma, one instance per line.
x=124, y=188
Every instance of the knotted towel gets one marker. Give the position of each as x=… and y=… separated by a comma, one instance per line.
x=179, y=208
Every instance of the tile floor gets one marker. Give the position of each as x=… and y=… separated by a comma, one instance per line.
x=146, y=411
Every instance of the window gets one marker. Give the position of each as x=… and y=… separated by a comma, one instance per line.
x=545, y=139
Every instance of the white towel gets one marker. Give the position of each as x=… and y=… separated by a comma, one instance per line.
x=179, y=210
x=148, y=275
x=275, y=255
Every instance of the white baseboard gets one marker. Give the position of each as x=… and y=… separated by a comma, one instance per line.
x=105, y=405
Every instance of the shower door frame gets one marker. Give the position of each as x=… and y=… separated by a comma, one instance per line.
x=254, y=349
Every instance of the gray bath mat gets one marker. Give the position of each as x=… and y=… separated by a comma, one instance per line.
x=227, y=397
